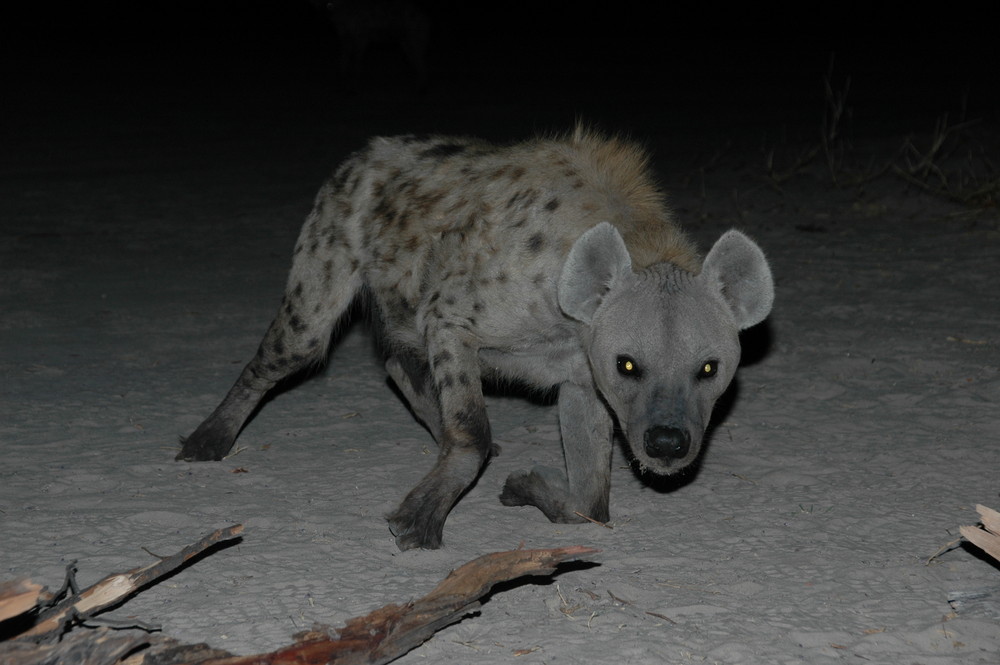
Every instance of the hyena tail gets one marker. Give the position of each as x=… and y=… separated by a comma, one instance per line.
x=323, y=282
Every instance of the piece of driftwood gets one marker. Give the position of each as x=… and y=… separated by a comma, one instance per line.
x=113, y=589
x=986, y=538
x=54, y=636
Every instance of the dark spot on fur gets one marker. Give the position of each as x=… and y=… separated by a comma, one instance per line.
x=296, y=323
x=524, y=199
x=501, y=277
x=477, y=307
x=447, y=381
x=517, y=173
x=538, y=279
x=314, y=343
x=450, y=301
x=442, y=150
x=424, y=203
x=473, y=421
x=552, y=205
x=535, y=243
x=500, y=172
x=442, y=357
x=340, y=177
x=463, y=378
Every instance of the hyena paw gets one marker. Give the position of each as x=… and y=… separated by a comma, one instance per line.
x=415, y=532
x=544, y=488
x=208, y=442
x=517, y=491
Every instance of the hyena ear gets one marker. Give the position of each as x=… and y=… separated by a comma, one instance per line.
x=743, y=276
x=597, y=261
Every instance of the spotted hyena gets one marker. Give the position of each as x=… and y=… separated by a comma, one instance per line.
x=553, y=262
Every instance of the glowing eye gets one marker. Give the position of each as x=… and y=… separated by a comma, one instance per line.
x=708, y=369
x=628, y=367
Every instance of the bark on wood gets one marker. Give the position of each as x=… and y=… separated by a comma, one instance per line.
x=988, y=537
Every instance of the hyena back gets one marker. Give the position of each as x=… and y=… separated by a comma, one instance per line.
x=553, y=262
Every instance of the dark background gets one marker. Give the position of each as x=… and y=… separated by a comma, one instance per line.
x=743, y=63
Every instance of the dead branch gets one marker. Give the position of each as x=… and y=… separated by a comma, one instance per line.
x=115, y=588
x=393, y=630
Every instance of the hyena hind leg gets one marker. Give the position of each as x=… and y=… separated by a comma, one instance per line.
x=297, y=338
x=465, y=444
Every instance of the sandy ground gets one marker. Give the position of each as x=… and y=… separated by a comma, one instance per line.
x=143, y=250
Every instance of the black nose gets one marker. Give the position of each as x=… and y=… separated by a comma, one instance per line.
x=667, y=442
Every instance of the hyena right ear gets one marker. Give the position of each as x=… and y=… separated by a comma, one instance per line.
x=739, y=269
x=597, y=261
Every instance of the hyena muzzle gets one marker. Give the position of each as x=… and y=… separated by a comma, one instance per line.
x=554, y=263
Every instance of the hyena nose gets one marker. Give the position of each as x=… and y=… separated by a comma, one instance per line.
x=667, y=442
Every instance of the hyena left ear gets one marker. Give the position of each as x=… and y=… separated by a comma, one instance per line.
x=597, y=261
x=744, y=277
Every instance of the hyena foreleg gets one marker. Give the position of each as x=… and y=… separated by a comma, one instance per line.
x=465, y=443
x=584, y=489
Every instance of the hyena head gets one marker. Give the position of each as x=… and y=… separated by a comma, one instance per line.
x=663, y=343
